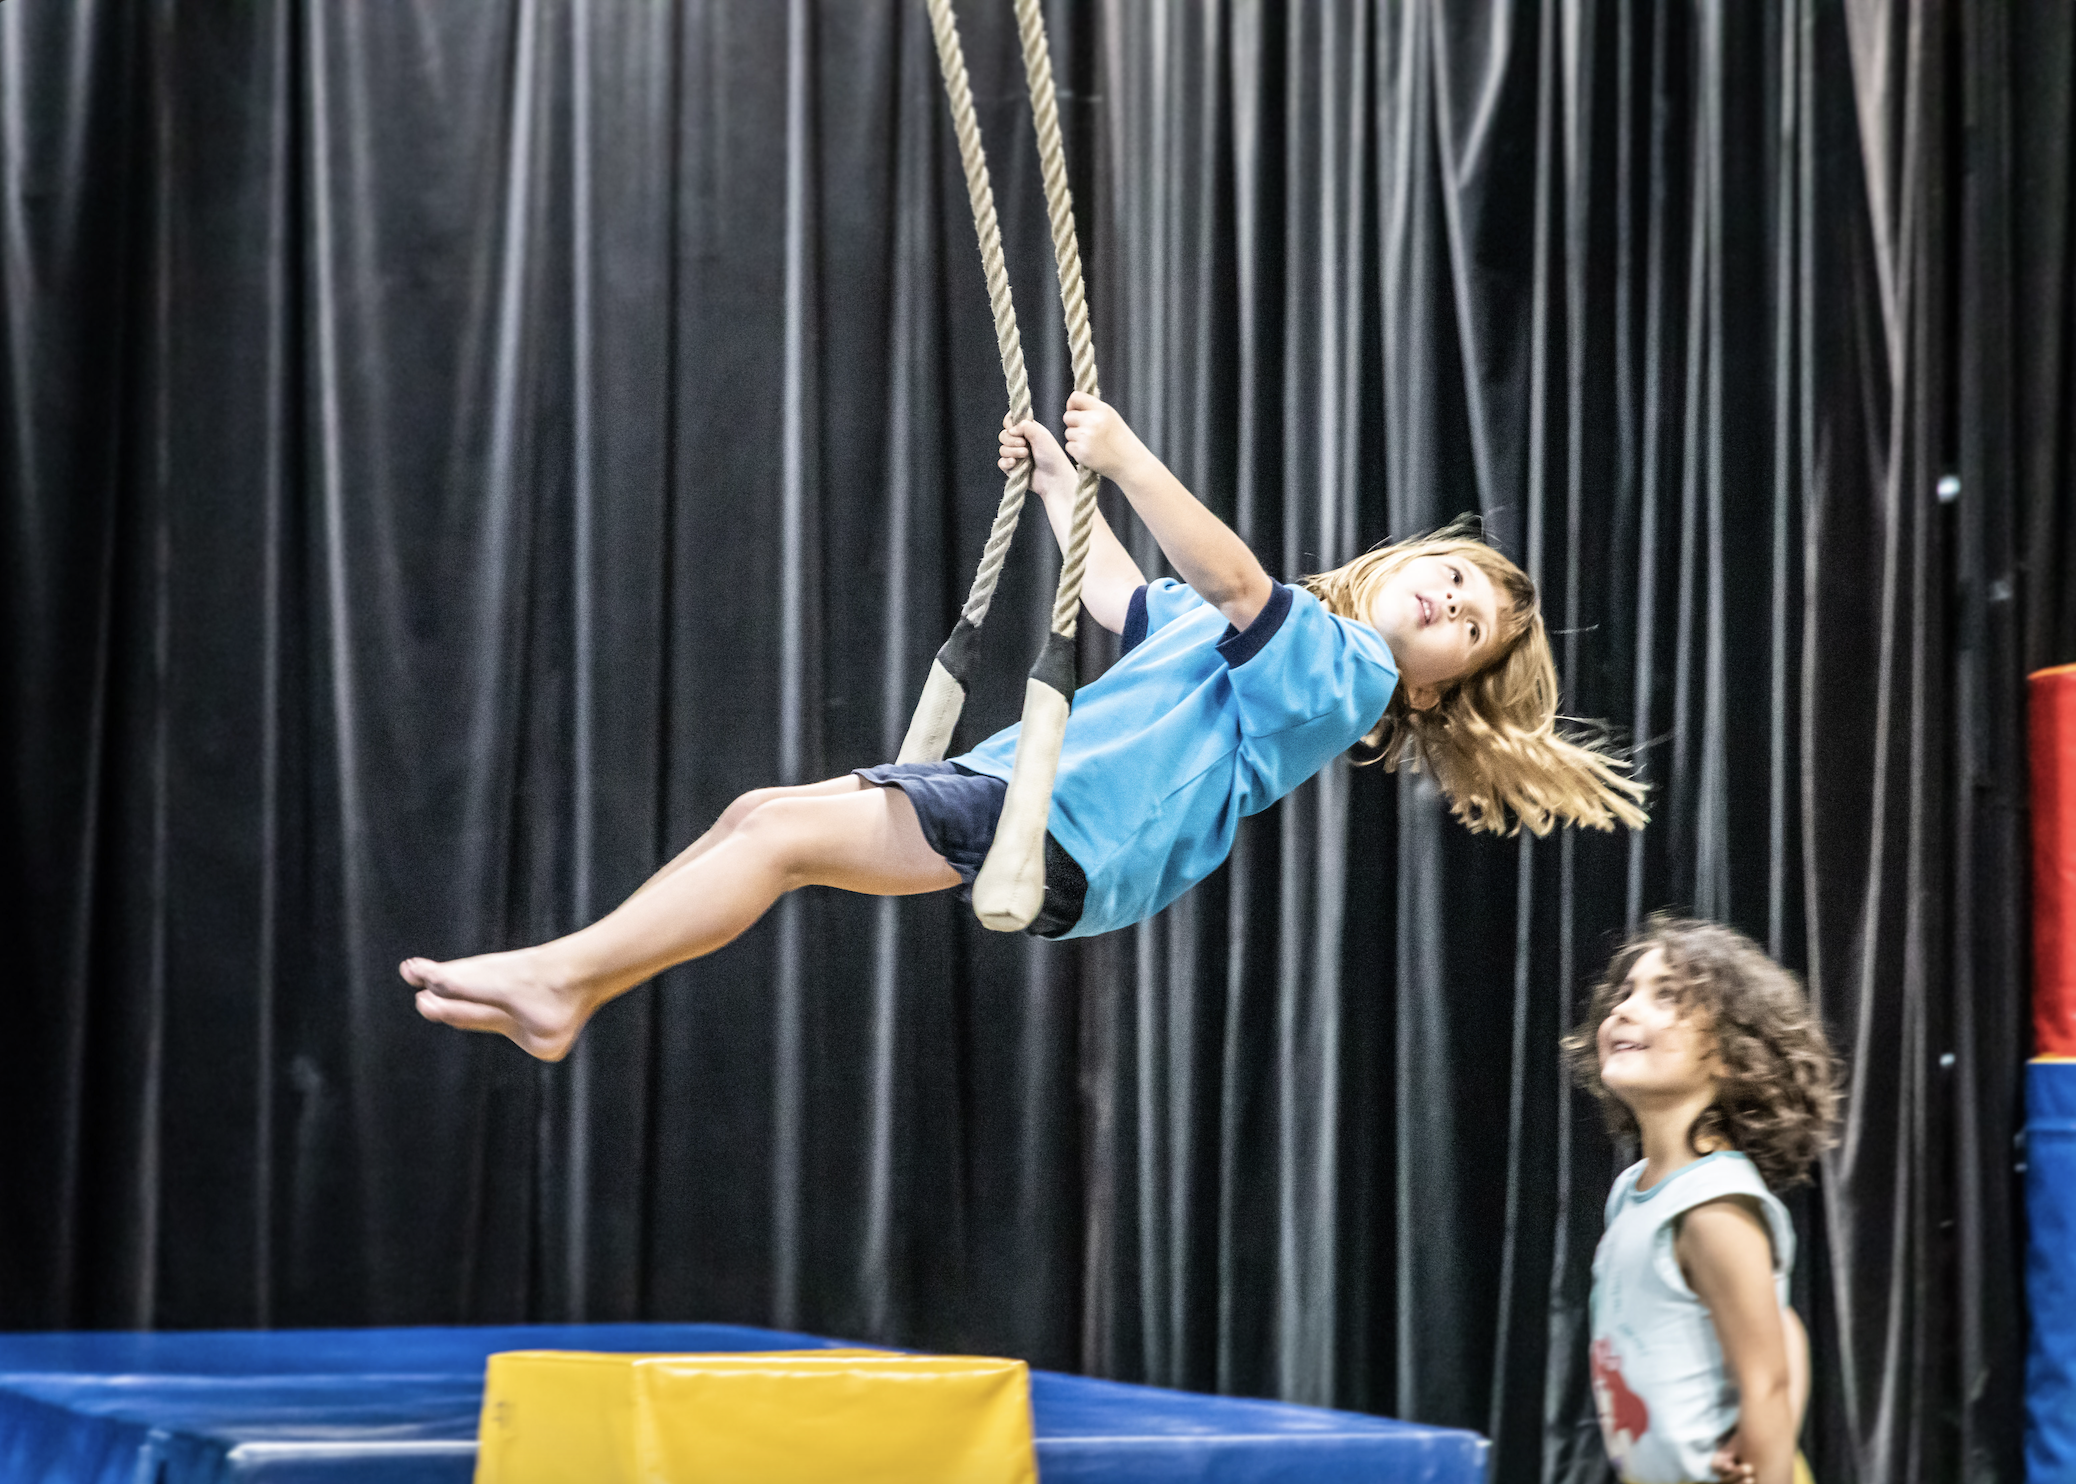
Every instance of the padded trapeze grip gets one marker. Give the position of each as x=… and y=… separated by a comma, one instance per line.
x=943, y=698
x=936, y=714
x=1011, y=885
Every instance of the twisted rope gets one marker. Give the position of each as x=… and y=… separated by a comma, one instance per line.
x=980, y=193
x=1066, y=254
x=1010, y=888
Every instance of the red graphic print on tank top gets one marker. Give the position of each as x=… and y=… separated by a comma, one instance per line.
x=1624, y=1418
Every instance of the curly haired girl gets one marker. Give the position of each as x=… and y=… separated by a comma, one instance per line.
x=1233, y=689
x=1703, y=1051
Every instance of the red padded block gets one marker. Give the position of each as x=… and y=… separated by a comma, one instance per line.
x=2052, y=724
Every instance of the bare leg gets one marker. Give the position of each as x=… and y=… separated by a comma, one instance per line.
x=736, y=812
x=862, y=839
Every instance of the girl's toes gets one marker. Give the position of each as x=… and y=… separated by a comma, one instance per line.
x=424, y=973
x=461, y=1014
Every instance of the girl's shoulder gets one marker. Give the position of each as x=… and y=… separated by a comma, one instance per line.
x=1727, y=1174
x=1724, y=1172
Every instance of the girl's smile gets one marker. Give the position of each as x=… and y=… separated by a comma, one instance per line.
x=1651, y=1048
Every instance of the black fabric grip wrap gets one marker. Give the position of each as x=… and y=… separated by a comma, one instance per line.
x=1055, y=665
x=956, y=654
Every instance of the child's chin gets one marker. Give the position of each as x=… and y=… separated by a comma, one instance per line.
x=1620, y=1085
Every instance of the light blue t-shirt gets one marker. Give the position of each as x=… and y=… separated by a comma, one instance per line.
x=1195, y=727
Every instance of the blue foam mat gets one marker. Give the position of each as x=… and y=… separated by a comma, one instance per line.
x=399, y=1406
x=2051, y=1272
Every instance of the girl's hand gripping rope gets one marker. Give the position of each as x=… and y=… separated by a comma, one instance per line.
x=1098, y=439
x=1111, y=576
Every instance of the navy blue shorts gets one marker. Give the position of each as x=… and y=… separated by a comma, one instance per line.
x=958, y=810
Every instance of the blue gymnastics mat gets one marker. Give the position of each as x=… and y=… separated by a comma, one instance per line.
x=399, y=1406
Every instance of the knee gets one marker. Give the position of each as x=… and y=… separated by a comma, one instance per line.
x=744, y=806
x=778, y=828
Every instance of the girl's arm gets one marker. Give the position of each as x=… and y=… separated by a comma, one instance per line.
x=1798, y=1365
x=1727, y=1255
x=1204, y=549
x=1111, y=576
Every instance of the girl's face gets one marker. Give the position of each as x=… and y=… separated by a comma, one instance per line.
x=1440, y=616
x=1651, y=1050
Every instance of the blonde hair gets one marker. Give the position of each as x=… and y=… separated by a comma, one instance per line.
x=1491, y=740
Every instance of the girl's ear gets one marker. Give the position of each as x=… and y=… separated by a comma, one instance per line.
x=1423, y=697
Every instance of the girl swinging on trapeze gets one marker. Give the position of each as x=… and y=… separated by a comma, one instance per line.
x=1232, y=690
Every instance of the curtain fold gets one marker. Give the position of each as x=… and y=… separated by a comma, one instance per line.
x=451, y=452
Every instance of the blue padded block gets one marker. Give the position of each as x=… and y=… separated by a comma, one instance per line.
x=399, y=1406
x=2051, y=1272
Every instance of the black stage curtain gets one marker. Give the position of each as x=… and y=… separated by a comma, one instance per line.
x=450, y=450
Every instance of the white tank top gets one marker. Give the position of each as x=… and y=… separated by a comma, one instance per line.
x=1665, y=1398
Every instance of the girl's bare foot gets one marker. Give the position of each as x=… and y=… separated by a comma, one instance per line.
x=517, y=995
x=842, y=833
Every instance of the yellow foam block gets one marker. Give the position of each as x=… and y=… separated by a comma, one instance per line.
x=770, y=1417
